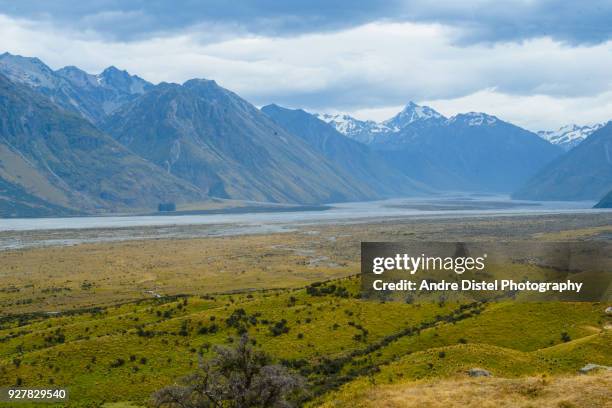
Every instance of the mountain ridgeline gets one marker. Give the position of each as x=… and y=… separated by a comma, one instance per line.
x=92, y=96
x=583, y=173
x=468, y=152
x=65, y=161
x=78, y=143
x=350, y=156
x=225, y=146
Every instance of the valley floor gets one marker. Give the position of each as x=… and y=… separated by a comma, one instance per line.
x=117, y=321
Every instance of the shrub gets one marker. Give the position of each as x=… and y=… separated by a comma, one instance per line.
x=235, y=378
x=117, y=363
x=279, y=328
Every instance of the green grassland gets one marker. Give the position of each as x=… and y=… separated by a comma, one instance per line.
x=336, y=340
x=112, y=344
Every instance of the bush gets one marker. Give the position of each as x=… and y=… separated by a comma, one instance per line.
x=237, y=377
x=117, y=363
x=279, y=328
x=319, y=289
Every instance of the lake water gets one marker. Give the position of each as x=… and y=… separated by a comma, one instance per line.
x=19, y=233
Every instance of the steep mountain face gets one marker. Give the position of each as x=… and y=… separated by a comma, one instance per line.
x=472, y=151
x=569, y=136
x=219, y=142
x=605, y=202
x=352, y=157
x=583, y=173
x=62, y=159
x=108, y=90
x=92, y=96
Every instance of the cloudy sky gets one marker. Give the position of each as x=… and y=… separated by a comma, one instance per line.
x=537, y=63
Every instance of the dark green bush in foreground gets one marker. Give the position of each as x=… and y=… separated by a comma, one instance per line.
x=238, y=377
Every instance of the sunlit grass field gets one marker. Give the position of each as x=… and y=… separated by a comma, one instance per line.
x=119, y=339
x=338, y=342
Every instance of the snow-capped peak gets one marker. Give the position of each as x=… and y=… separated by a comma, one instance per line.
x=360, y=130
x=568, y=136
x=410, y=114
x=344, y=124
x=28, y=70
x=474, y=119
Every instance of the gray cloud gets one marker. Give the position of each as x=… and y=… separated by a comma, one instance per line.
x=492, y=21
x=369, y=69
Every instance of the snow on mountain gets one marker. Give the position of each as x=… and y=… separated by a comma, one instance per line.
x=365, y=131
x=361, y=130
x=122, y=80
x=344, y=124
x=569, y=136
x=30, y=71
x=92, y=96
x=474, y=119
x=410, y=114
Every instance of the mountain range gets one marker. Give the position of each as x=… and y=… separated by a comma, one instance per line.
x=569, y=136
x=469, y=152
x=583, y=173
x=92, y=96
x=352, y=157
x=82, y=143
x=226, y=147
x=78, y=143
x=65, y=161
x=365, y=131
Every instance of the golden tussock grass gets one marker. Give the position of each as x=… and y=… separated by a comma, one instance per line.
x=578, y=391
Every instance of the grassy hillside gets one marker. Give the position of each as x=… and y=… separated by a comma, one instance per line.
x=125, y=352
x=116, y=321
x=15, y=201
x=557, y=392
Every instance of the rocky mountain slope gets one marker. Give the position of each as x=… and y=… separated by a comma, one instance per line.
x=470, y=152
x=63, y=160
x=92, y=96
x=225, y=146
x=568, y=136
x=583, y=173
x=353, y=157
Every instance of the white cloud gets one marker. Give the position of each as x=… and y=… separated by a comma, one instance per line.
x=534, y=112
x=370, y=70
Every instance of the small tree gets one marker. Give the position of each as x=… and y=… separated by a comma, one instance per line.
x=239, y=377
